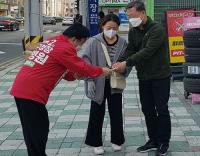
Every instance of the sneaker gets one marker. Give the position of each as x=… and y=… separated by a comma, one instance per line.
x=116, y=147
x=99, y=150
x=162, y=150
x=149, y=146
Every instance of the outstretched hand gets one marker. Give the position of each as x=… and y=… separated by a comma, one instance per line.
x=106, y=71
x=119, y=67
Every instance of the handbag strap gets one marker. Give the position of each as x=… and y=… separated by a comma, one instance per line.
x=106, y=54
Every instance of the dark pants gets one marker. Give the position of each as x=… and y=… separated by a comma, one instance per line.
x=35, y=125
x=97, y=112
x=154, y=96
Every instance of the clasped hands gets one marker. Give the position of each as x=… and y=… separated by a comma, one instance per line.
x=119, y=67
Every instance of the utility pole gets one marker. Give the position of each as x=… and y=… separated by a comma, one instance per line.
x=77, y=7
x=18, y=8
x=9, y=7
x=83, y=10
x=54, y=7
x=33, y=23
x=46, y=6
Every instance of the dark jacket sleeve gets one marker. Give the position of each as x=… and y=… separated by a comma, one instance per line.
x=156, y=38
x=130, y=48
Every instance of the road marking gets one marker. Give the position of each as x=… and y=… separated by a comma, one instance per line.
x=49, y=31
x=53, y=31
x=21, y=30
x=7, y=63
x=58, y=32
x=1, y=52
x=11, y=44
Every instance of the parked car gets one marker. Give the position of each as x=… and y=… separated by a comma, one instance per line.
x=8, y=23
x=58, y=19
x=20, y=19
x=49, y=20
x=68, y=21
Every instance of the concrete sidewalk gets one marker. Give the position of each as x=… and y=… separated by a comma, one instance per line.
x=68, y=110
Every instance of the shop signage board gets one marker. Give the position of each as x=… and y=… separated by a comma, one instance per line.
x=191, y=23
x=3, y=6
x=113, y=2
x=175, y=29
x=124, y=26
x=93, y=16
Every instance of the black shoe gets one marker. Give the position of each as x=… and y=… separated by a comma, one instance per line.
x=162, y=150
x=149, y=146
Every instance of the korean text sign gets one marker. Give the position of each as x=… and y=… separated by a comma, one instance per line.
x=93, y=16
x=175, y=30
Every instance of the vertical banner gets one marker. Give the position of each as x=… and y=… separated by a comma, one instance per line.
x=93, y=16
x=175, y=30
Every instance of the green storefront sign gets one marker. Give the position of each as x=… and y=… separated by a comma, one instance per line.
x=113, y=3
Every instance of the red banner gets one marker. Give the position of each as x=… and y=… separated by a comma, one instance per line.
x=175, y=30
x=175, y=21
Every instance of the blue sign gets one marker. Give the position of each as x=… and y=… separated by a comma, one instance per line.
x=93, y=16
x=123, y=17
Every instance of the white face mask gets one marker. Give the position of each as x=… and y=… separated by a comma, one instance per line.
x=135, y=22
x=110, y=33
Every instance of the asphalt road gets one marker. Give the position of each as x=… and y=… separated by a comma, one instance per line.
x=11, y=43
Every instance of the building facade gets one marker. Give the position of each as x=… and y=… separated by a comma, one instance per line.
x=12, y=8
x=3, y=8
x=70, y=8
x=59, y=7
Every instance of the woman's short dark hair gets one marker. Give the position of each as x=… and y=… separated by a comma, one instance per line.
x=77, y=30
x=110, y=17
x=137, y=4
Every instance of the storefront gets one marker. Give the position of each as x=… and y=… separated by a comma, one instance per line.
x=3, y=9
x=117, y=7
x=112, y=6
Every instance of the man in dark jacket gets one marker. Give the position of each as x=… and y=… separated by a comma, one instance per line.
x=148, y=52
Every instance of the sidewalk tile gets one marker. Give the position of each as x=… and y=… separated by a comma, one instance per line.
x=179, y=146
x=183, y=153
x=69, y=109
x=20, y=152
x=11, y=144
x=7, y=152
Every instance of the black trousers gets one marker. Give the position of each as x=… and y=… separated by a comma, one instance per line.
x=35, y=125
x=154, y=96
x=97, y=112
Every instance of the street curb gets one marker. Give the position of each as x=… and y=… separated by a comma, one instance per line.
x=5, y=71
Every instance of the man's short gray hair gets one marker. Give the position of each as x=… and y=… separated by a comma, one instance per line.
x=137, y=4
